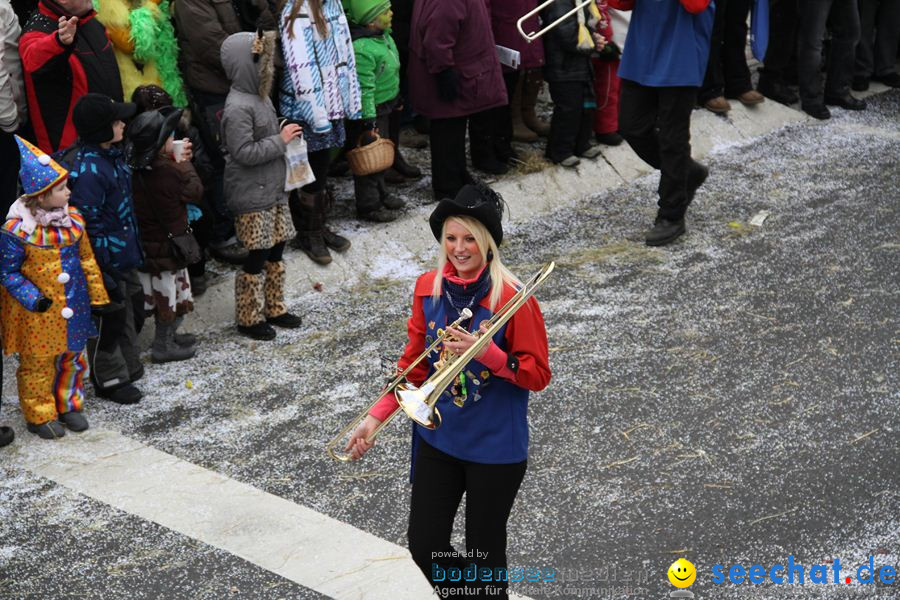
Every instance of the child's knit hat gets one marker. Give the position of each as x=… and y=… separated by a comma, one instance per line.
x=38, y=171
x=363, y=12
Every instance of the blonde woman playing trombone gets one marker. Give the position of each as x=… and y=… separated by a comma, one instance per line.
x=481, y=447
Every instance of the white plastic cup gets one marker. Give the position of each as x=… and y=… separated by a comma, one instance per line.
x=178, y=150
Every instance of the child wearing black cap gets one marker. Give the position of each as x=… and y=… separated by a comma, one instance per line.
x=101, y=190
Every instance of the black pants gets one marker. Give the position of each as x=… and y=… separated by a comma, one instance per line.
x=780, y=64
x=876, y=53
x=439, y=481
x=491, y=131
x=319, y=161
x=656, y=122
x=843, y=17
x=448, y=156
x=257, y=259
x=572, y=124
x=369, y=189
x=727, y=73
x=114, y=355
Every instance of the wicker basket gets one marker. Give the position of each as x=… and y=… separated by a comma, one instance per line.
x=371, y=158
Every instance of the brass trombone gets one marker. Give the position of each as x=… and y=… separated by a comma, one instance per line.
x=530, y=37
x=419, y=403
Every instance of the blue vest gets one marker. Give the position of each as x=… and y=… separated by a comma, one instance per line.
x=492, y=425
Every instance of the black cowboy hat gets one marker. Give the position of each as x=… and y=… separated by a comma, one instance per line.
x=477, y=201
x=148, y=133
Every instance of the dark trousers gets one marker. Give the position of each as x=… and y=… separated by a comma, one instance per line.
x=113, y=355
x=208, y=109
x=491, y=131
x=9, y=174
x=439, y=481
x=876, y=52
x=448, y=156
x=257, y=259
x=843, y=17
x=369, y=189
x=727, y=73
x=571, y=124
x=780, y=64
x=656, y=122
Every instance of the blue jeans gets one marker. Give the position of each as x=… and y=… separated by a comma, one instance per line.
x=814, y=14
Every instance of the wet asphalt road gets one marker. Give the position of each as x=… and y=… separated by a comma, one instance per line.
x=731, y=398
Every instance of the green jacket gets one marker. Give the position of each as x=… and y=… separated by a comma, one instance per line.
x=377, y=68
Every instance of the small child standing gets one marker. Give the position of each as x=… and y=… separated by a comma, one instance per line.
x=164, y=185
x=567, y=69
x=255, y=172
x=378, y=72
x=50, y=281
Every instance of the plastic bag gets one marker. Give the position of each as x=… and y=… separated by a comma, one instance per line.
x=298, y=172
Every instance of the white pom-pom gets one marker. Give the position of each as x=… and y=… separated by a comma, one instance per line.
x=67, y=313
x=44, y=159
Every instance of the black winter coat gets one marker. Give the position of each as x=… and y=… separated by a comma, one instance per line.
x=563, y=61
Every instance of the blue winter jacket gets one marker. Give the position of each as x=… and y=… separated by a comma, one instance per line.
x=101, y=190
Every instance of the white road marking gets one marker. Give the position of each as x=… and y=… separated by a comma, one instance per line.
x=295, y=542
x=300, y=544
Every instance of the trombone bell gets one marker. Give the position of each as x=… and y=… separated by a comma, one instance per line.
x=530, y=37
x=414, y=403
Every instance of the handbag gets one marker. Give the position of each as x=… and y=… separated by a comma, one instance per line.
x=184, y=246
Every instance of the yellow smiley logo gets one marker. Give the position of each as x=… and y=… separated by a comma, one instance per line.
x=682, y=573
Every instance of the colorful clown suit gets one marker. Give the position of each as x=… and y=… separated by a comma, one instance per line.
x=40, y=263
x=55, y=263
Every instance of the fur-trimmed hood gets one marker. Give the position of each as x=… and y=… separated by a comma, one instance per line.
x=248, y=60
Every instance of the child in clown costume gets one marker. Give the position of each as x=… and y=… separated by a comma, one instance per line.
x=50, y=281
x=144, y=40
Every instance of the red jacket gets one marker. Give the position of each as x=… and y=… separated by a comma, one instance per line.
x=526, y=340
x=56, y=76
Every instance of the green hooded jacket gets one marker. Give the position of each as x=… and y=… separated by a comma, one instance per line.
x=377, y=67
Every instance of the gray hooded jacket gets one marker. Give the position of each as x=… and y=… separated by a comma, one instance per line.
x=254, y=159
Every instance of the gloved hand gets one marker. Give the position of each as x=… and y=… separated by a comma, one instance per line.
x=112, y=288
x=368, y=134
x=43, y=305
x=448, y=84
x=106, y=309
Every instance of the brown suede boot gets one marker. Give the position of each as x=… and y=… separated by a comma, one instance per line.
x=531, y=88
x=521, y=132
x=334, y=241
x=310, y=237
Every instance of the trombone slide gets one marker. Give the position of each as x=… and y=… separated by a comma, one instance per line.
x=533, y=35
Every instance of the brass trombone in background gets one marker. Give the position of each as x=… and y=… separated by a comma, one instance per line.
x=530, y=37
x=419, y=402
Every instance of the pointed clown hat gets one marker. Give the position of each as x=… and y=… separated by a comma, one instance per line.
x=38, y=171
